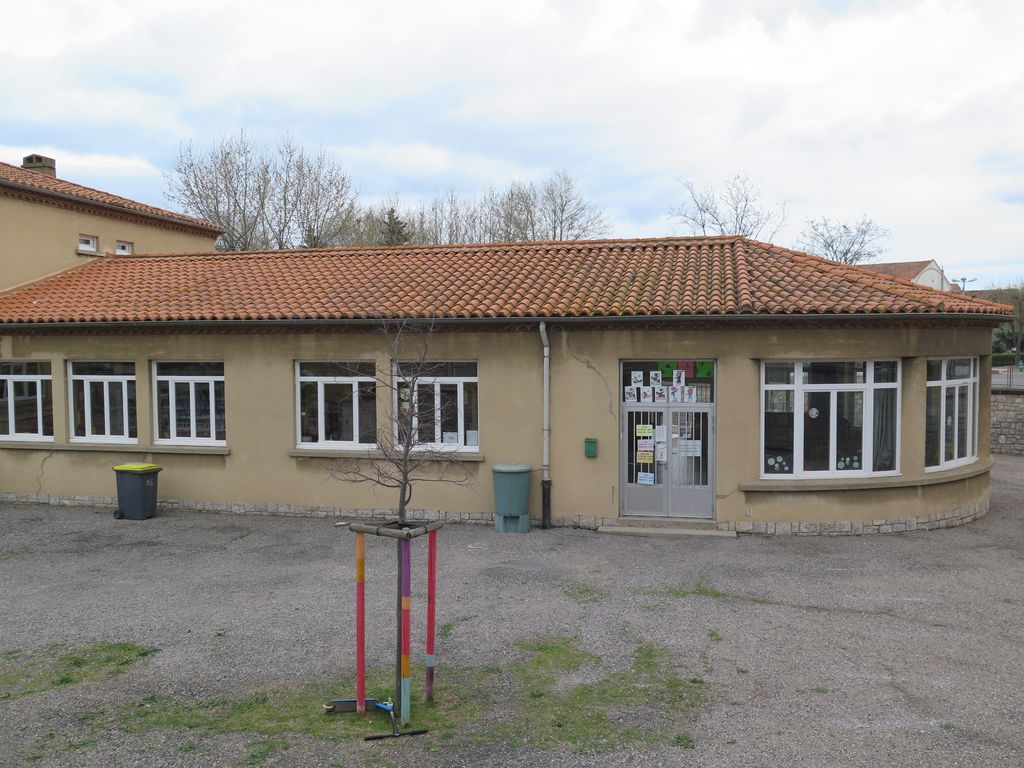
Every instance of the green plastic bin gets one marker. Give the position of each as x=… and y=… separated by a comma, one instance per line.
x=136, y=491
x=511, y=497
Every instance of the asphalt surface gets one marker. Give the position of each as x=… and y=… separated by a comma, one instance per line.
x=896, y=650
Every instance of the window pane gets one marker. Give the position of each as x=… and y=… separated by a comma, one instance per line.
x=961, y=421
x=884, y=432
x=103, y=369
x=25, y=369
x=218, y=395
x=202, y=390
x=435, y=369
x=309, y=430
x=817, y=421
x=338, y=413
x=26, y=415
x=885, y=372
x=934, y=370
x=96, y=404
x=163, y=409
x=132, y=430
x=950, y=423
x=933, y=427
x=470, y=415
x=834, y=373
x=450, y=414
x=5, y=426
x=779, y=373
x=116, y=412
x=190, y=369
x=778, y=432
x=367, y=412
x=47, y=407
x=405, y=414
x=182, y=409
x=347, y=369
x=849, y=431
x=425, y=413
x=959, y=368
x=78, y=408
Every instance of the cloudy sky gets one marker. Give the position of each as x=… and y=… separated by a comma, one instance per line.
x=911, y=112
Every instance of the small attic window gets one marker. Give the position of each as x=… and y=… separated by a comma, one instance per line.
x=88, y=244
x=123, y=248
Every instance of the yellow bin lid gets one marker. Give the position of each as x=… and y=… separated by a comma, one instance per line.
x=136, y=468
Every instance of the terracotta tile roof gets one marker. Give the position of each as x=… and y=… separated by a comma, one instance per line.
x=905, y=270
x=13, y=176
x=600, y=278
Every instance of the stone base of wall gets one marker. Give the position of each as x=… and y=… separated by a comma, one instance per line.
x=1007, y=422
x=948, y=518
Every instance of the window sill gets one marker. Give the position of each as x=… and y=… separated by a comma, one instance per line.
x=355, y=453
x=980, y=467
x=87, y=253
x=39, y=445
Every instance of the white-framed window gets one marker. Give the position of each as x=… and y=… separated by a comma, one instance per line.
x=123, y=248
x=337, y=404
x=951, y=412
x=189, y=403
x=445, y=405
x=830, y=418
x=26, y=401
x=103, y=402
x=88, y=244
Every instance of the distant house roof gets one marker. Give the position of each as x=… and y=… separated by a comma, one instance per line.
x=22, y=182
x=905, y=270
x=674, y=277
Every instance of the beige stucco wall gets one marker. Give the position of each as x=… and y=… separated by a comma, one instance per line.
x=38, y=240
x=585, y=395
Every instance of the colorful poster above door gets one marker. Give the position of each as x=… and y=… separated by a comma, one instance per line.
x=705, y=369
x=660, y=395
x=675, y=394
x=686, y=366
x=646, y=395
x=637, y=378
x=655, y=377
x=679, y=377
x=668, y=367
x=629, y=394
x=690, y=394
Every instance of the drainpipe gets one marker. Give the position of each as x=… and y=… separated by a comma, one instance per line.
x=545, y=482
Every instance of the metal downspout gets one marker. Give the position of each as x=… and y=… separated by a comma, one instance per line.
x=545, y=483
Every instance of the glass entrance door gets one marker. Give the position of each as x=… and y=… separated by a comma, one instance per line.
x=667, y=444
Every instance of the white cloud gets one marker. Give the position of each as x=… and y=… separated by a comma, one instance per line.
x=74, y=164
x=911, y=111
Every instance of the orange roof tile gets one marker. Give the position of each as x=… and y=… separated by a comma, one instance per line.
x=23, y=179
x=599, y=278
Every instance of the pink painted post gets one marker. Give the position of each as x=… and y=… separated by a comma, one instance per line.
x=431, y=608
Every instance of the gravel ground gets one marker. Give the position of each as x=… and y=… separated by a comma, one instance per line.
x=898, y=650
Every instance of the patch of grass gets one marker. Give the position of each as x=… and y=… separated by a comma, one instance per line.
x=261, y=750
x=445, y=630
x=684, y=741
x=819, y=689
x=10, y=554
x=57, y=666
x=702, y=590
x=189, y=746
x=743, y=670
x=714, y=636
x=730, y=742
x=557, y=695
x=585, y=594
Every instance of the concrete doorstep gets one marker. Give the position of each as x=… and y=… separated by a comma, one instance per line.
x=664, y=531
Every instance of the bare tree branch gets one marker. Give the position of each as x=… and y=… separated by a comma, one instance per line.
x=735, y=209
x=846, y=242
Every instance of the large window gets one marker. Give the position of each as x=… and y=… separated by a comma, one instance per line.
x=445, y=409
x=190, y=403
x=26, y=401
x=103, y=402
x=337, y=404
x=951, y=412
x=830, y=419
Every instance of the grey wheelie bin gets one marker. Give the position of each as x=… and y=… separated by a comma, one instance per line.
x=136, y=491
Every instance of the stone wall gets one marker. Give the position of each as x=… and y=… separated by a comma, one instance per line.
x=1008, y=421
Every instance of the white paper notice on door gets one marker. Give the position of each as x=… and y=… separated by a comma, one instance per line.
x=659, y=433
x=662, y=454
x=689, y=447
x=645, y=478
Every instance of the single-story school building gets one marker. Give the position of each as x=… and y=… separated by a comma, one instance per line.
x=711, y=379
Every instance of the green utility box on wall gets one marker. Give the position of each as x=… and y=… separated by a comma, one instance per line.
x=590, y=447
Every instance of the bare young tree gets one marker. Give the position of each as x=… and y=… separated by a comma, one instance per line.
x=563, y=211
x=264, y=199
x=407, y=449
x=846, y=242
x=735, y=209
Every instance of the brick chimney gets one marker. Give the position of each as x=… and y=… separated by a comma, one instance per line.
x=40, y=164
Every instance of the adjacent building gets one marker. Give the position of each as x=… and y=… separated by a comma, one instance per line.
x=722, y=380
x=927, y=273
x=48, y=224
